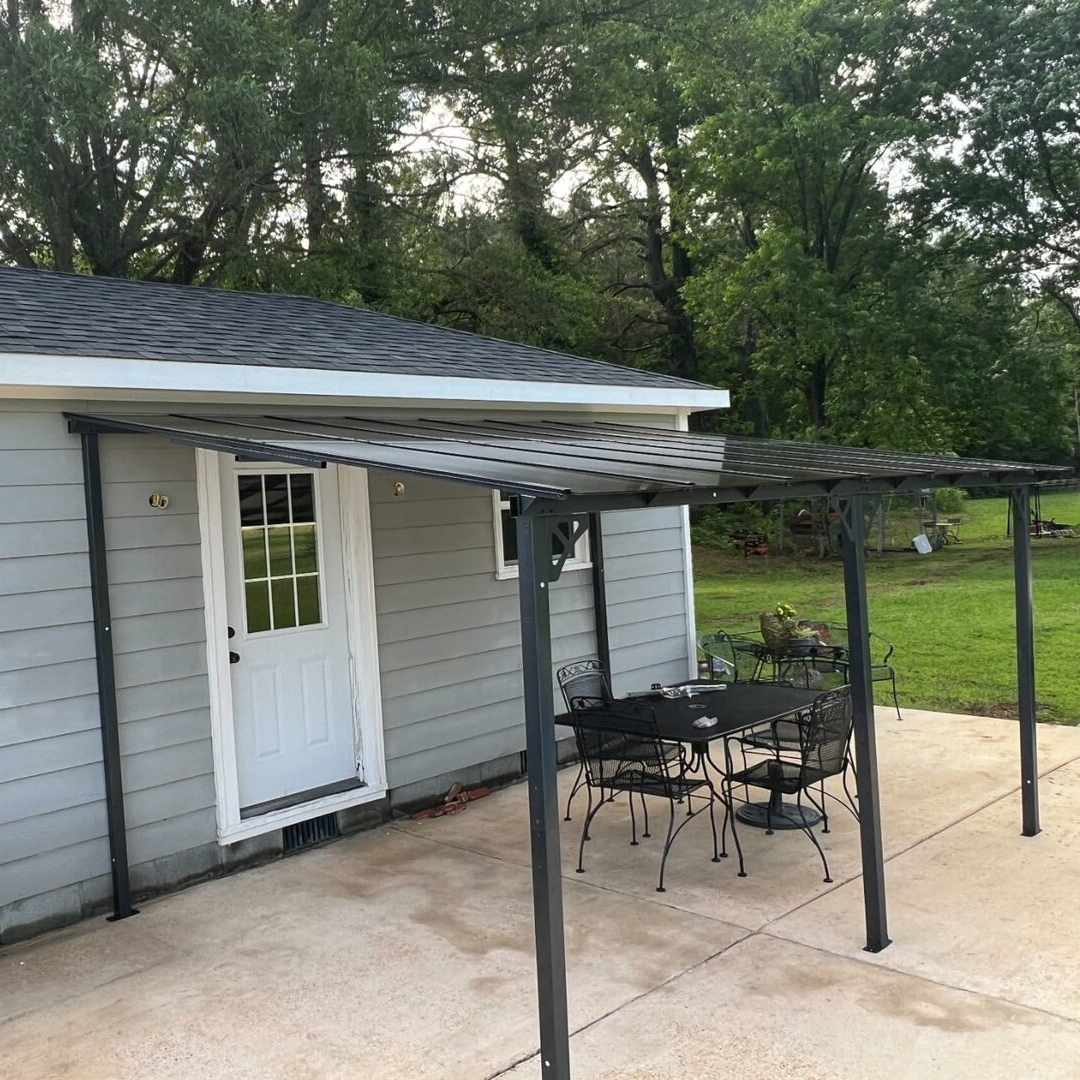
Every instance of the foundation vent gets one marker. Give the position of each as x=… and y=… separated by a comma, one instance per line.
x=305, y=834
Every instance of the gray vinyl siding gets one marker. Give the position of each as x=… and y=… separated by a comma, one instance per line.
x=53, y=830
x=448, y=631
x=449, y=636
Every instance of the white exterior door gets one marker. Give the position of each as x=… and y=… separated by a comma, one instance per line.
x=292, y=699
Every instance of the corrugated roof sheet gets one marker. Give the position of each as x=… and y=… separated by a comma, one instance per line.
x=563, y=460
x=78, y=315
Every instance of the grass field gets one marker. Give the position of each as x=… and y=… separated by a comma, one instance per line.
x=949, y=614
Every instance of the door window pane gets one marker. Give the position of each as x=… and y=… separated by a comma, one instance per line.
x=254, y=541
x=280, y=548
x=257, y=599
x=251, y=500
x=307, y=600
x=277, y=499
x=303, y=498
x=281, y=591
x=305, y=549
x=280, y=562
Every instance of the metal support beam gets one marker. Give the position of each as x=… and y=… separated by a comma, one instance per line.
x=534, y=579
x=1020, y=499
x=599, y=591
x=862, y=696
x=106, y=678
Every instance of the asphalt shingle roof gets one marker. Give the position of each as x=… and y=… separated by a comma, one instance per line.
x=77, y=315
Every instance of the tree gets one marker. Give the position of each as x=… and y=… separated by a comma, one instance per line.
x=1003, y=174
x=800, y=127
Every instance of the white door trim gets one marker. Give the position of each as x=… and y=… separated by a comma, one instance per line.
x=355, y=513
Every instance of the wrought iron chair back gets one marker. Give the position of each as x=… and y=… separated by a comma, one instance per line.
x=585, y=680
x=732, y=657
x=825, y=735
x=604, y=751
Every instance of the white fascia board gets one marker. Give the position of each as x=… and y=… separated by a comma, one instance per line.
x=42, y=375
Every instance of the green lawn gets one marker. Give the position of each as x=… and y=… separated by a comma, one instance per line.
x=950, y=613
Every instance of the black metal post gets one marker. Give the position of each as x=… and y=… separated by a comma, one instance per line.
x=106, y=678
x=862, y=695
x=599, y=591
x=534, y=574
x=1025, y=658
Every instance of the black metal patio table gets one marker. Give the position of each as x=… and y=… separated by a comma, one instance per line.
x=738, y=707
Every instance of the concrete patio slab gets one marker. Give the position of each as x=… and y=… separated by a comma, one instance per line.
x=936, y=770
x=978, y=906
x=768, y=1009
x=383, y=955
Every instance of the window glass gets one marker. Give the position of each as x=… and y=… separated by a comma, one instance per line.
x=254, y=553
x=279, y=540
x=251, y=500
x=561, y=538
x=509, y=538
x=277, y=499
x=305, y=549
x=283, y=596
x=303, y=498
x=257, y=598
x=307, y=600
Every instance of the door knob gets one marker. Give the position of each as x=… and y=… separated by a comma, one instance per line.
x=234, y=657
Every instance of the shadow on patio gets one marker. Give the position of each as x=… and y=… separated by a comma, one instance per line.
x=407, y=952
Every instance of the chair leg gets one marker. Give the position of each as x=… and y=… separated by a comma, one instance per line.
x=633, y=823
x=589, y=811
x=729, y=813
x=645, y=811
x=824, y=862
x=810, y=832
x=712, y=822
x=895, y=699
x=575, y=789
x=822, y=808
x=667, y=844
x=592, y=812
x=850, y=797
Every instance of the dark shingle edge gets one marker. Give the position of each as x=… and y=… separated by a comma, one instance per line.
x=71, y=314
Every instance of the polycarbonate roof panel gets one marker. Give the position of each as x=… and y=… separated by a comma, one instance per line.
x=558, y=459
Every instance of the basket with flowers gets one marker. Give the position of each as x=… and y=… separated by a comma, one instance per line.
x=781, y=628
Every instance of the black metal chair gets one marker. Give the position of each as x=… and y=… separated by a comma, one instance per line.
x=732, y=657
x=784, y=736
x=584, y=684
x=603, y=730
x=812, y=671
x=838, y=650
x=585, y=680
x=819, y=739
x=881, y=670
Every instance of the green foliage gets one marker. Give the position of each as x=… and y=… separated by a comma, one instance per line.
x=862, y=220
x=712, y=526
x=950, y=614
x=950, y=500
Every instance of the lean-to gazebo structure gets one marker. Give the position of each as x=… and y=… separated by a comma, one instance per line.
x=567, y=474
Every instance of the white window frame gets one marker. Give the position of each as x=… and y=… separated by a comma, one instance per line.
x=580, y=560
